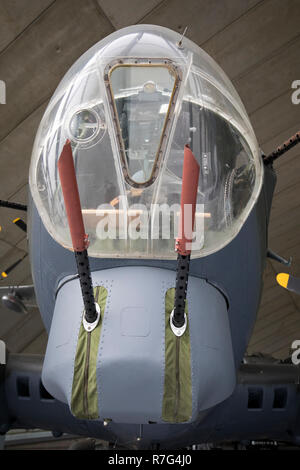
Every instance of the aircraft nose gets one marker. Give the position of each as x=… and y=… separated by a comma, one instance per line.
x=132, y=368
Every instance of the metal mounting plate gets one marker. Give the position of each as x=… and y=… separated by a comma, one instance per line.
x=178, y=331
x=91, y=326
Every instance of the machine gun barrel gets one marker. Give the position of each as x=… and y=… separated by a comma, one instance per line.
x=290, y=143
x=190, y=178
x=79, y=238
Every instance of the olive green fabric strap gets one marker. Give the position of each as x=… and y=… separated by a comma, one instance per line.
x=84, y=400
x=177, y=400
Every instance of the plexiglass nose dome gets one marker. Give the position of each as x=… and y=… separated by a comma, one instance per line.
x=129, y=105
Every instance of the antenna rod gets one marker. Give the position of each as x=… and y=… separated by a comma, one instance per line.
x=190, y=178
x=79, y=238
x=179, y=44
x=287, y=145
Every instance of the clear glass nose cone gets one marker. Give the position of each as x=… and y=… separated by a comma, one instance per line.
x=129, y=106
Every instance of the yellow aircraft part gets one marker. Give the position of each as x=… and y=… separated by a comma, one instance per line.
x=283, y=279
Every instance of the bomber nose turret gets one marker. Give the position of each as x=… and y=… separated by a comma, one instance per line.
x=132, y=368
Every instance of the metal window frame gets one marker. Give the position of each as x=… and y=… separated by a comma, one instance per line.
x=142, y=62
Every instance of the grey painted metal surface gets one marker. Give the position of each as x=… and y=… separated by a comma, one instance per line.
x=131, y=356
x=130, y=375
x=213, y=368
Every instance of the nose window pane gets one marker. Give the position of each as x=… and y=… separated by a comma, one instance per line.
x=142, y=95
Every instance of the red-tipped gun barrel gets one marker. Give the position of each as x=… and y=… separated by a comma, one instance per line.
x=71, y=197
x=190, y=177
x=70, y=191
